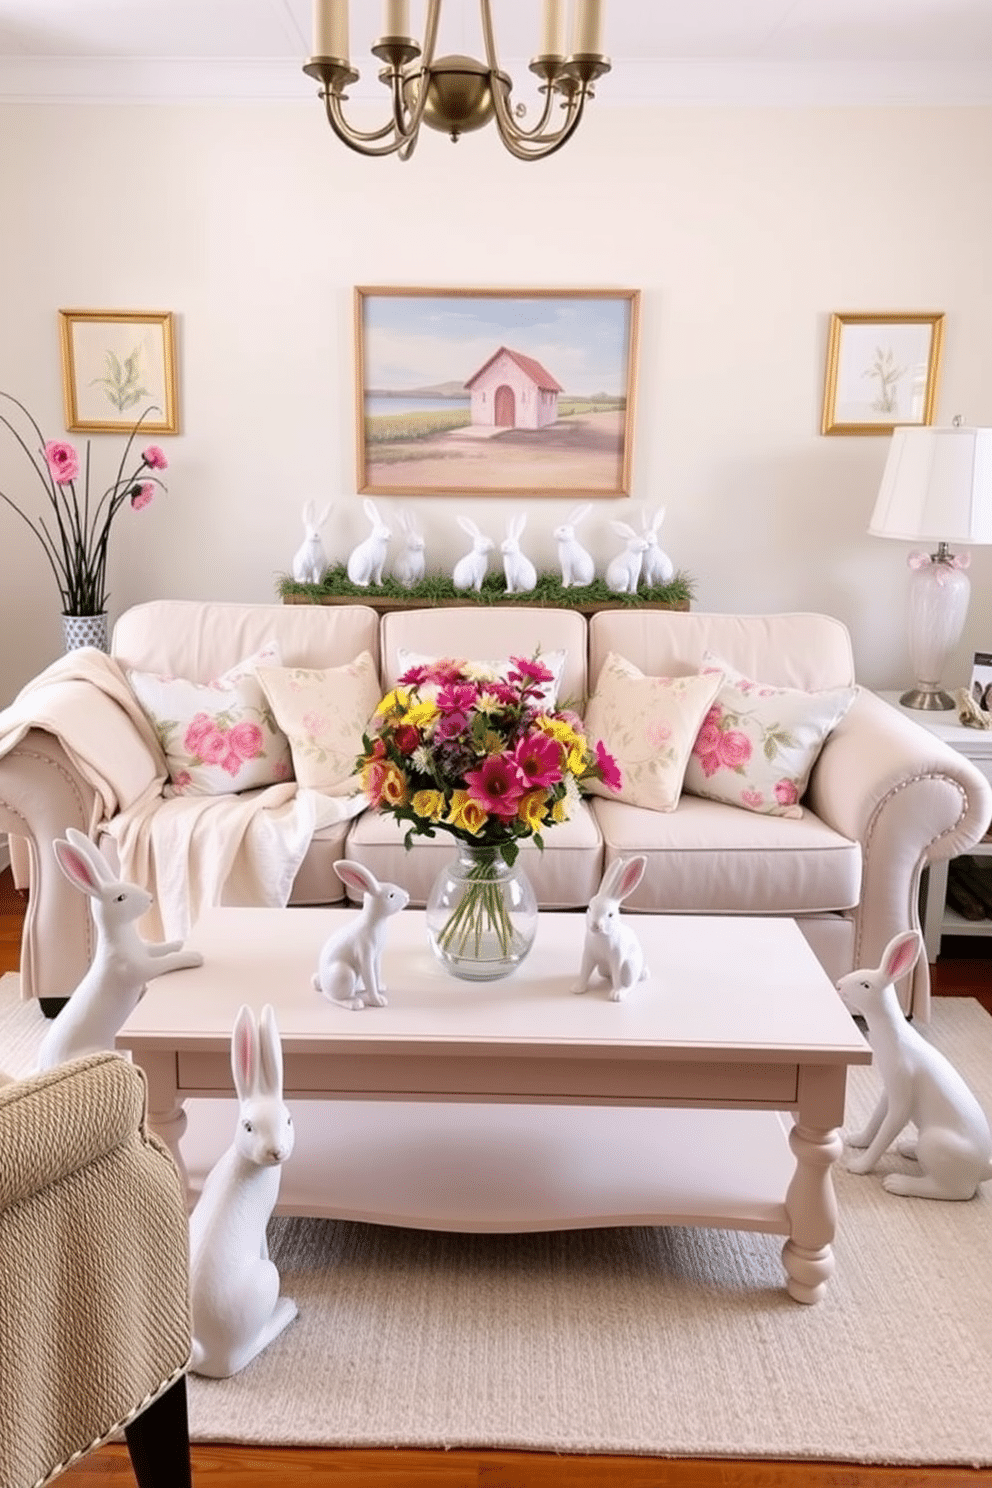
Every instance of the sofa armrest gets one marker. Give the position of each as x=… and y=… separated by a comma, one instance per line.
x=909, y=799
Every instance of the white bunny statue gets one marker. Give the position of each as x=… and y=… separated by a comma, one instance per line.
x=408, y=569
x=367, y=560
x=469, y=572
x=657, y=567
x=123, y=963
x=623, y=571
x=520, y=573
x=611, y=948
x=310, y=561
x=953, y=1143
x=348, y=970
x=577, y=564
x=234, y=1287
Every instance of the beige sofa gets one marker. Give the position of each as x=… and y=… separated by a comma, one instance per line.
x=885, y=798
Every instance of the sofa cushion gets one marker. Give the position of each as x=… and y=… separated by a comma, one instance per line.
x=759, y=742
x=706, y=857
x=324, y=711
x=564, y=876
x=649, y=725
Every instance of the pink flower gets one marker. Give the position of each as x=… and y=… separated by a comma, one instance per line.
x=752, y=798
x=786, y=793
x=538, y=758
x=231, y=762
x=535, y=670
x=450, y=726
x=246, y=740
x=658, y=734
x=496, y=786
x=63, y=462
x=608, y=768
x=406, y=738
x=314, y=723
x=213, y=746
x=734, y=749
x=141, y=496
x=412, y=677
x=710, y=762
x=457, y=698
x=373, y=779
x=182, y=781
x=196, y=731
x=154, y=457
x=708, y=738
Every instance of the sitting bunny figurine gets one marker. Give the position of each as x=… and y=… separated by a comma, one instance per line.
x=234, y=1287
x=469, y=572
x=519, y=572
x=123, y=963
x=953, y=1144
x=657, y=568
x=408, y=569
x=310, y=560
x=624, y=571
x=611, y=947
x=577, y=564
x=366, y=561
x=348, y=969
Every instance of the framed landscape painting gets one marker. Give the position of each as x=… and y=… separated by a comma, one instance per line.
x=483, y=392
x=118, y=365
x=882, y=371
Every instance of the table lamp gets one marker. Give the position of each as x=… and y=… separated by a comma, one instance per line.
x=937, y=485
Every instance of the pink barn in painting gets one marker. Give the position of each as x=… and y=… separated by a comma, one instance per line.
x=513, y=391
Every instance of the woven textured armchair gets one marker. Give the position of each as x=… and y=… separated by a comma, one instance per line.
x=94, y=1304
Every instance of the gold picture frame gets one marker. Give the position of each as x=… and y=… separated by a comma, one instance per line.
x=882, y=370
x=116, y=366
x=495, y=392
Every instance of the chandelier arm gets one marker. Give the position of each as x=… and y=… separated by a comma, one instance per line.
x=507, y=126
x=358, y=139
x=525, y=148
x=406, y=121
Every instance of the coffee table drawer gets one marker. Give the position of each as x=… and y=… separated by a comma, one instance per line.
x=711, y=1082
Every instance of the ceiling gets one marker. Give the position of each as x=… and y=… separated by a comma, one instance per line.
x=663, y=51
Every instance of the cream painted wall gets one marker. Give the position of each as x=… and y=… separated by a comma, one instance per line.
x=742, y=228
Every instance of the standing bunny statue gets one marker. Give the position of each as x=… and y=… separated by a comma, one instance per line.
x=520, y=573
x=123, y=963
x=611, y=948
x=623, y=571
x=953, y=1143
x=367, y=560
x=408, y=569
x=310, y=561
x=657, y=567
x=469, y=572
x=234, y=1287
x=348, y=970
x=577, y=563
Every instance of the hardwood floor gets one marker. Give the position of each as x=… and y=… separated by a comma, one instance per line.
x=965, y=970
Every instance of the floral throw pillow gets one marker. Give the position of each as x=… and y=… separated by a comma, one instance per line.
x=648, y=724
x=759, y=743
x=324, y=712
x=218, y=737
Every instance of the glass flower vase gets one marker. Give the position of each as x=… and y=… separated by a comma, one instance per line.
x=481, y=915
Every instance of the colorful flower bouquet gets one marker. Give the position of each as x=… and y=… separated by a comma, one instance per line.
x=458, y=748
x=74, y=528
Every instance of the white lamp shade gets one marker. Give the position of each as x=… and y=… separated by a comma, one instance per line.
x=937, y=484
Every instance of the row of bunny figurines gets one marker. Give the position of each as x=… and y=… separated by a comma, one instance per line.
x=641, y=561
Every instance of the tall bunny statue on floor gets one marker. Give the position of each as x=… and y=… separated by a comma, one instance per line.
x=953, y=1143
x=469, y=572
x=577, y=564
x=310, y=560
x=234, y=1287
x=123, y=964
x=367, y=560
x=519, y=572
x=656, y=567
x=611, y=948
x=349, y=965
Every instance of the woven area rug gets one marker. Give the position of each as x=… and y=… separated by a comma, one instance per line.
x=658, y=1341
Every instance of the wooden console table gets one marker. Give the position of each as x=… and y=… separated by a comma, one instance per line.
x=384, y=604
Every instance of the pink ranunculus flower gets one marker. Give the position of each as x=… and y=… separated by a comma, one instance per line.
x=196, y=731
x=63, y=462
x=734, y=749
x=786, y=793
x=141, y=496
x=246, y=739
x=154, y=457
x=213, y=746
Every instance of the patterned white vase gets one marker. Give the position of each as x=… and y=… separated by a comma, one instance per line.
x=86, y=630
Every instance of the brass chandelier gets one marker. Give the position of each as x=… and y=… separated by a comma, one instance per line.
x=455, y=94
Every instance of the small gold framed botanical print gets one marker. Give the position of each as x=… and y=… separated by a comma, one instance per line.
x=882, y=370
x=119, y=366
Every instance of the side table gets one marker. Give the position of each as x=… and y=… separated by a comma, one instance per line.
x=976, y=745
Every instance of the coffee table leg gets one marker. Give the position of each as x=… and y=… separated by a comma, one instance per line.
x=166, y=1112
x=811, y=1205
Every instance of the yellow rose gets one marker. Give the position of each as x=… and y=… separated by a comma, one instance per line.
x=531, y=809
x=466, y=813
x=394, y=702
x=421, y=714
x=560, y=811
x=428, y=804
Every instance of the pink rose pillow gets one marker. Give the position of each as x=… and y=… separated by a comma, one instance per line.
x=759, y=743
x=217, y=737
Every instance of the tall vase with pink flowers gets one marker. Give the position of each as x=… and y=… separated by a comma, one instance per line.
x=480, y=755
x=73, y=524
